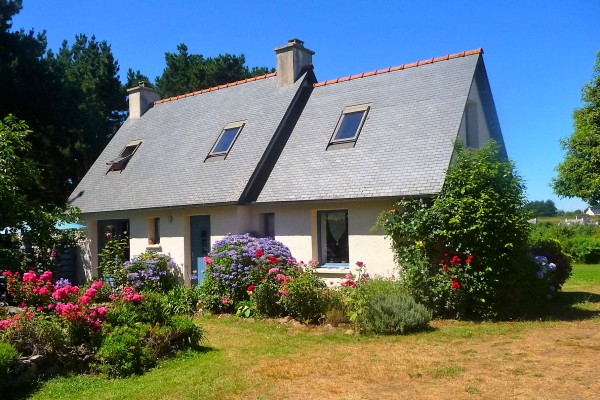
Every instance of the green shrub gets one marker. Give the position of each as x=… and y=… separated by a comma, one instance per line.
x=8, y=358
x=266, y=298
x=552, y=250
x=393, y=313
x=305, y=297
x=123, y=352
x=479, y=212
x=187, y=334
x=182, y=300
x=43, y=335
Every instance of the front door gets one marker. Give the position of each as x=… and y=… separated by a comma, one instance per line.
x=200, y=245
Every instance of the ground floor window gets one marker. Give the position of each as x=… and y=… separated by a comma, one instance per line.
x=109, y=230
x=333, y=238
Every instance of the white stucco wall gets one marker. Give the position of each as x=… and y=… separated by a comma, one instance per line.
x=295, y=226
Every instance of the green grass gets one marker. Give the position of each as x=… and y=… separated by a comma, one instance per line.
x=235, y=346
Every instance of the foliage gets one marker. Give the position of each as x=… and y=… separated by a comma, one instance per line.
x=33, y=239
x=579, y=172
x=393, y=314
x=123, y=353
x=185, y=72
x=552, y=250
x=149, y=271
x=540, y=208
x=67, y=325
x=112, y=257
x=182, y=300
x=582, y=242
x=266, y=298
x=304, y=297
x=480, y=213
x=234, y=263
x=8, y=358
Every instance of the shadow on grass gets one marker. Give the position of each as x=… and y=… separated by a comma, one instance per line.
x=566, y=306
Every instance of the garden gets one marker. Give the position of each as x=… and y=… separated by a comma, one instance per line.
x=469, y=269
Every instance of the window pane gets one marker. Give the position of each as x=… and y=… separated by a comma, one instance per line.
x=333, y=232
x=349, y=125
x=226, y=140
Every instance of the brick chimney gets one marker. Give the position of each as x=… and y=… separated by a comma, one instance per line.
x=292, y=59
x=141, y=99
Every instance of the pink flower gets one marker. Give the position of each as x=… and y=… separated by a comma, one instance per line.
x=360, y=264
x=274, y=270
x=225, y=300
x=29, y=276
x=281, y=278
x=84, y=299
x=96, y=285
x=46, y=276
x=207, y=260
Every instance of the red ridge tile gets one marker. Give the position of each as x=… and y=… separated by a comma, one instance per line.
x=399, y=67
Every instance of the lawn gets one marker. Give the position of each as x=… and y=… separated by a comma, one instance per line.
x=551, y=358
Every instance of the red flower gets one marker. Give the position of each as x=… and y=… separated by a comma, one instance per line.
x=259, y=253
x=250, y=288
x=273, y=259
x=455, y=285
x=445, y=268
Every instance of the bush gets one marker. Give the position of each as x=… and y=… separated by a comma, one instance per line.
x=266, y=298
x=236, y=262
x=393, y=314
x=305, y=297
x=42, y=335
x=182, y=300
x=8, y=358
x=187, y=334
x=552, y=250
x=148, y=272
x=480, y=213
x=123, y=352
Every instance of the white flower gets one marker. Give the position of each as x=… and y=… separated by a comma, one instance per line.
x=551, y=266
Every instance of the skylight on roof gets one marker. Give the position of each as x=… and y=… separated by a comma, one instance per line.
x=226, y=140
x=119, y=163
x=349, y=125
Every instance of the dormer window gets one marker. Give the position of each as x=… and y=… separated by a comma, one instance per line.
x=119, y=163
x=225, y=141
x=349, y=126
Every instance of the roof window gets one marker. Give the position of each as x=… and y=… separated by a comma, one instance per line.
x=225, y=141
x=119, y=163
x=348, y=127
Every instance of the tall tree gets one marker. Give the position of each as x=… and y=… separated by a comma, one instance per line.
x=187, y=72
x=579, y=173
x=541, y=208
x=93, y=100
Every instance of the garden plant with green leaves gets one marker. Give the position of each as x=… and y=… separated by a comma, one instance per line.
x=465, y=252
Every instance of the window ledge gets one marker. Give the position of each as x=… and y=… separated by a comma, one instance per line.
x=332, y=271
x=154, y=247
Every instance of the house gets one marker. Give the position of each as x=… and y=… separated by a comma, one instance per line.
x=310, y=163
x=592, y=211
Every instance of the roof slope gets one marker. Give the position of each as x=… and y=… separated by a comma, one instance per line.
x=404, y=147
x=168, y=168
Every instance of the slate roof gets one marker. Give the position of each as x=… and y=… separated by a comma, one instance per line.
x=405, y=145
x=168, y=168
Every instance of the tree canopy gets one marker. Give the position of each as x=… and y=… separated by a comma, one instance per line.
x=579, y=173
x=541, y=208
x=187, y=72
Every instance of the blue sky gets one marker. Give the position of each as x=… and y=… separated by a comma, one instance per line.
x=538, y=54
